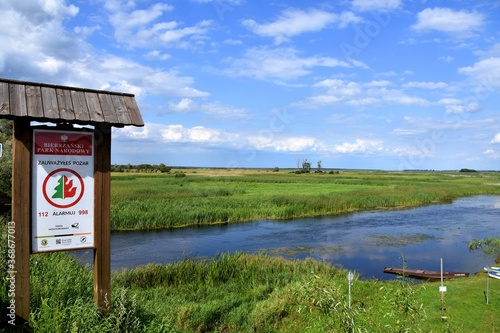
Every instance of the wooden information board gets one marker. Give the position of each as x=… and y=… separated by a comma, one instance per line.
x=62, y=190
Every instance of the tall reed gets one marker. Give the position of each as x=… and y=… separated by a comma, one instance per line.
x=163, y=201
x=62, y=299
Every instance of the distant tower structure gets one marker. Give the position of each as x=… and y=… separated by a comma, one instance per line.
x=306, y=166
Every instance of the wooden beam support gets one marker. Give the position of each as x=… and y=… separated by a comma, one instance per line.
x=102, y=228
x=21, y=214
x=29, y=101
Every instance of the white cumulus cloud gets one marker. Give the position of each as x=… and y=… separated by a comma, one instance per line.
x=457, y=106
x=282, y=63
x=359, y=94
x=196, y=134
x=496, y=139
x=294, y=22
x=146, y=27
x=290, y=144
x=359, y=146
x=426, y=85
x=486, y=73
x=460, y=23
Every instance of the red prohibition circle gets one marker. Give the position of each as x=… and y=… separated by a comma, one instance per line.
x=45, y=185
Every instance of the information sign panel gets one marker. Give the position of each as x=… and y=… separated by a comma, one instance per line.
x=62, y=190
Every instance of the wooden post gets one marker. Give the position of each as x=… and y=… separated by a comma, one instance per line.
x=102, y=228
x=21, y=214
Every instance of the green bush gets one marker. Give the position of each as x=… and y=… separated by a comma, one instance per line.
x=6, y=159
x=467, y=170
x=6, y=170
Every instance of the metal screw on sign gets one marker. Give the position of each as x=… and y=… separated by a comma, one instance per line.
x=350, y=278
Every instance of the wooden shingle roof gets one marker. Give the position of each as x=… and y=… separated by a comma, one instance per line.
x=53, y=103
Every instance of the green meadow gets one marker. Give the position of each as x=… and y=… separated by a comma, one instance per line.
x=194, y=197
x=242, y=292
x=248, y=293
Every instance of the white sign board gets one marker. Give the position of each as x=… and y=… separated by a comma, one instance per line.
x=62, y=190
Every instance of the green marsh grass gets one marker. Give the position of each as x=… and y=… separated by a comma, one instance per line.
x=258, y=293
x=62, y=299
x=152, y=201
x=246, y=293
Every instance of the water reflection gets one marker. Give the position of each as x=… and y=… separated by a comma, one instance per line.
x=365, y=242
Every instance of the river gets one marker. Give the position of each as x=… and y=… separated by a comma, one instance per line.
x=365, y=242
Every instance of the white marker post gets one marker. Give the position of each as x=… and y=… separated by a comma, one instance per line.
x=488, y=286
x=350, y=278
x=442, y=290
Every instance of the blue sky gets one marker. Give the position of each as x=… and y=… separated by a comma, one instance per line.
x=384, y=84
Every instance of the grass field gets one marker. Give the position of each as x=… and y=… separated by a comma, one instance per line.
x=256, y=293
x=245, y=293
x=250, y=293
x=210, y=196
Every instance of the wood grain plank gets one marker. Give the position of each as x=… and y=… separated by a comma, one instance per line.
x=17, y=95
x=107, y=109
x=21, y=213
x=102, y=213
x=122, y=115
x=64, y=100
x=80, y=105
x=4, y=99
x=133, y=110
x=34, y=101
x=49, y=99
x=94, y=107
x=53, y=102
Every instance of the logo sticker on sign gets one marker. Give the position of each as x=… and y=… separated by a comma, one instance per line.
x=67, y=187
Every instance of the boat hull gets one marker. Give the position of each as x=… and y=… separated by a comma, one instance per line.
x=424, y=274
x=493, y=272
x=492, y=268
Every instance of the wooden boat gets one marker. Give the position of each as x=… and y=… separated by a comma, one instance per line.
x=425, y=274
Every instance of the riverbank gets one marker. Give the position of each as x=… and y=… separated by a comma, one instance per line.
x=361, y=241
x=202, y=197
x=249, y=293
x=258, y=293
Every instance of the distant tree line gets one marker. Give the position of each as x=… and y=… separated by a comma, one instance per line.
x=148, y=168
x=467, y=170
